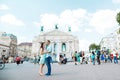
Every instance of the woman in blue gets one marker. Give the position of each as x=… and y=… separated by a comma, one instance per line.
x=42, y=59
x=102, y=57
x=77, y=56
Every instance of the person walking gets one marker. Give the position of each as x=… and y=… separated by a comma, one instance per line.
x=102, y=57
x=83, y=57
x=75, y=57
x=98, y=57
x=93, y=58
x=78, y=57
x=42, y=59
x=48, y=58
x=18, y=59
x=115, y=57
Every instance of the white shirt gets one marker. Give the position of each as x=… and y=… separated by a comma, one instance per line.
x=114, y=53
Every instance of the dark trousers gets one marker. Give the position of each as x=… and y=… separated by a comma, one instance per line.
x=115, y=60
x=48, y=61
x=110, y=59
x=18, y=62
x=98, y=59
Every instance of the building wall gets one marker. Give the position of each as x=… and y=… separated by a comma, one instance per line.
x=72, y=44
x=9, y=43
x=24, y=50
x=112, y=41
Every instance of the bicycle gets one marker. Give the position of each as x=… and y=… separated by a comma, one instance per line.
x=2, y=64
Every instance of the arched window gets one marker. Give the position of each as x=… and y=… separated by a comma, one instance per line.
x=55, y=47
x=63, y=47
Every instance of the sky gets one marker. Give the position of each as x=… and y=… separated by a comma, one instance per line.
x=90, y=20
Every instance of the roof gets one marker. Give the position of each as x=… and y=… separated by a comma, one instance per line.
x=56, y=33
x=25, y=44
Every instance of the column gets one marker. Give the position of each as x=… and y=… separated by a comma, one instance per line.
x=67, y=47
x=60, y=47
x=52, y=47
x=58, y=51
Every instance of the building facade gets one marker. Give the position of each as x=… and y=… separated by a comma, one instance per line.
x=112, y=41
x=8, y=44
x=24, y=49
x=108, y=43
x=61, y=42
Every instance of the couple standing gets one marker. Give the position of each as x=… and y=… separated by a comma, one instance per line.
x=45, y=52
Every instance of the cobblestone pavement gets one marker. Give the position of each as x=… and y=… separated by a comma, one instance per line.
x=29, y=71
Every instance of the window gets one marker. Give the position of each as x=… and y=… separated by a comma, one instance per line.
x=55, y=47
x=63, y=47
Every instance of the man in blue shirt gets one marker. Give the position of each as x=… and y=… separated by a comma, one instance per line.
x=48, y=57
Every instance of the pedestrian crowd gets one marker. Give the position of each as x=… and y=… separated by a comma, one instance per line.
x=98, y=56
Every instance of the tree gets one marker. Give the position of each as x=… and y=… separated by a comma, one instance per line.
x=118, y=18
x=93, y=46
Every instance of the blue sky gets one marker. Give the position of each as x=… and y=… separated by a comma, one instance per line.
x=90, y=20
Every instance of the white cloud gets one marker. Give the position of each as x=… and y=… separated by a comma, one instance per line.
x=22, y=39
x=3, y=7
x=48, y=20
x=100, y=21
x=116, y=1
x=103, y=20
x=36, y=23
x=11, y=19
x=88, y=30
x=68, y=18
x=84, y=44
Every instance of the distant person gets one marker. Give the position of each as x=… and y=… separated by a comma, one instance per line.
x=83, y=57
x=109, y=58
x=102, y=57
x=63, y=59
x=18, y=59
x=77, y=56
x=106, y=57
x=35, y=59
x=98, y=56
x=80, y=57
x=22, y=60
x=115, y=57
x=38, y=59
x=74, y=57
x=93, y=58
x=42, y=59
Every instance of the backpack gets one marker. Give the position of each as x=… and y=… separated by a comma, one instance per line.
x=18, y=59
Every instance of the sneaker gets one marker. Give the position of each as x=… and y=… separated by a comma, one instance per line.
x=47, y=74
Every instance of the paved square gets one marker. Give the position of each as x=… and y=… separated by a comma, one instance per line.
x=29, y=71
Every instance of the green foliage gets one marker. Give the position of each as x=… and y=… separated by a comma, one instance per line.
x=118, y=18
x=94, y=47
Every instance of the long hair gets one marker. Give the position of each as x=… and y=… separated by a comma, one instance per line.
x=42, y=45
x=93, y=53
